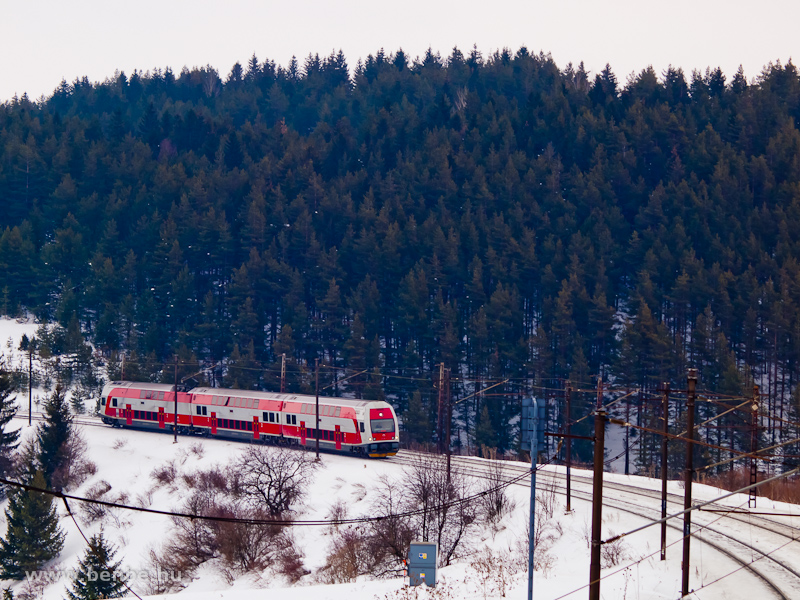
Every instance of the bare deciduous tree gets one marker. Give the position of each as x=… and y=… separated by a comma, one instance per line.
x=274, y=478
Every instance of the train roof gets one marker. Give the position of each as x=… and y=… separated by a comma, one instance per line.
x=283, y=397
x=165, y=387
x=144, y=385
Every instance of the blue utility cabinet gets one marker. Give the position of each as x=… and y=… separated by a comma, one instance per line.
x=422, y=563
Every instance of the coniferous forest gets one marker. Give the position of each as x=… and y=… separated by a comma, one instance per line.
x=500, y=214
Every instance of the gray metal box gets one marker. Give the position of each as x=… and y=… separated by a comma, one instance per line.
x=422, y=563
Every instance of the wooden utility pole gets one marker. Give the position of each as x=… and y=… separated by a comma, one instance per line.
x=597, y=503
x=440, y=412
x=687, y=498
x=283, y=373
x=316, y=392
x=568, y=442
x=664, y=440
x=599, y=391
x=751, y=501
x=175, y=441
x=449, y=418
x=627, y=435
x=30, y=382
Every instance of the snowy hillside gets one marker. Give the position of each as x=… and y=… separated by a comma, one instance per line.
x=130, y=467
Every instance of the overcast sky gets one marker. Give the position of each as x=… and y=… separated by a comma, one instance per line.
x=45, y=41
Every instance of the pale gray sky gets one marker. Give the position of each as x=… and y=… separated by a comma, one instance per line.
x=41, y=42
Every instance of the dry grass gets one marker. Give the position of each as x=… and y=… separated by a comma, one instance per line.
x=782, y=490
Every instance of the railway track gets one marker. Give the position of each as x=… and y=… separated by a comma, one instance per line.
x=776, y=571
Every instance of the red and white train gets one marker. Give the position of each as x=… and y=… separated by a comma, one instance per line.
x=362, y=427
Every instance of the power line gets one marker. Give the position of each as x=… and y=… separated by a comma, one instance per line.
x=108, y=568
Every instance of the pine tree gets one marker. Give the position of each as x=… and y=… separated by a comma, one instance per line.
x=485, y=434
x=416, y=422
x=8, y=439
x=33, y=536
x=53, y=434
x=97, y=574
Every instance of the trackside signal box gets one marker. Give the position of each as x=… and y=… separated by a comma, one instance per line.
x=422, y=563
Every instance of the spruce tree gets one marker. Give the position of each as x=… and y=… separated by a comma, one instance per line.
x=485, y=434
x=8, y=439
x=33, y=536
x=54, y=433
x=97, y=574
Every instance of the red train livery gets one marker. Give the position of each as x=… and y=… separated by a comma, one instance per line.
x=362, y=427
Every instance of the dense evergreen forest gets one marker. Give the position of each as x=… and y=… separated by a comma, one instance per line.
x=497, y=214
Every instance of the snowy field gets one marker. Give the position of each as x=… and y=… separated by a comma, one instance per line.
x=127, y=460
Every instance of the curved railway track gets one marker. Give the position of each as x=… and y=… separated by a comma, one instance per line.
x=776, y=572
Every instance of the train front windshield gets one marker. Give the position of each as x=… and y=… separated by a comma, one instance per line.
x=382, y=425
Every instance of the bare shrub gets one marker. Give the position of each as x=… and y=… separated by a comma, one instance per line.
x=782, y=490
x=164, y=574
x=445, y=515
x=337, y=513
x=348, y=557
x=274, y=478
x=290, y=561
x=245, y=547
x=34, y=587
x=494, y=572
x=95, y=512
x=495, y=501
x=197, y=449
x=165, y=474
x=613, y=553
x=393, y=534
x=75, y=467
x=213, y=480
x=119, y=443
x=546, y=497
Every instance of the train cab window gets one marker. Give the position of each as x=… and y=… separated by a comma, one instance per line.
x=114, y=402
x=382, y=425
x=103, y=401
x=361, y=426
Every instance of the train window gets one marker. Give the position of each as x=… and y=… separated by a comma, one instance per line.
x=382, y=425
x=103, y=401
x=361, y=426
x=114, y=402
x=338, y=411
x=205, y=411
x=249, y=426
x=266, y=416
x=141, y=394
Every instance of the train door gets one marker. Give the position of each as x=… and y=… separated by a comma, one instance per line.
x=128, y=415
x=213, y=423
x=162, y=418
x=337, y=436
x=303, y=433
x=255, y=428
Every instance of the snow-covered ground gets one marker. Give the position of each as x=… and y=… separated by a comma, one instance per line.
x=127, y=459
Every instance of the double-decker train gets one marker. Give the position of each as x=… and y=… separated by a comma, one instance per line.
x=361, y=427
